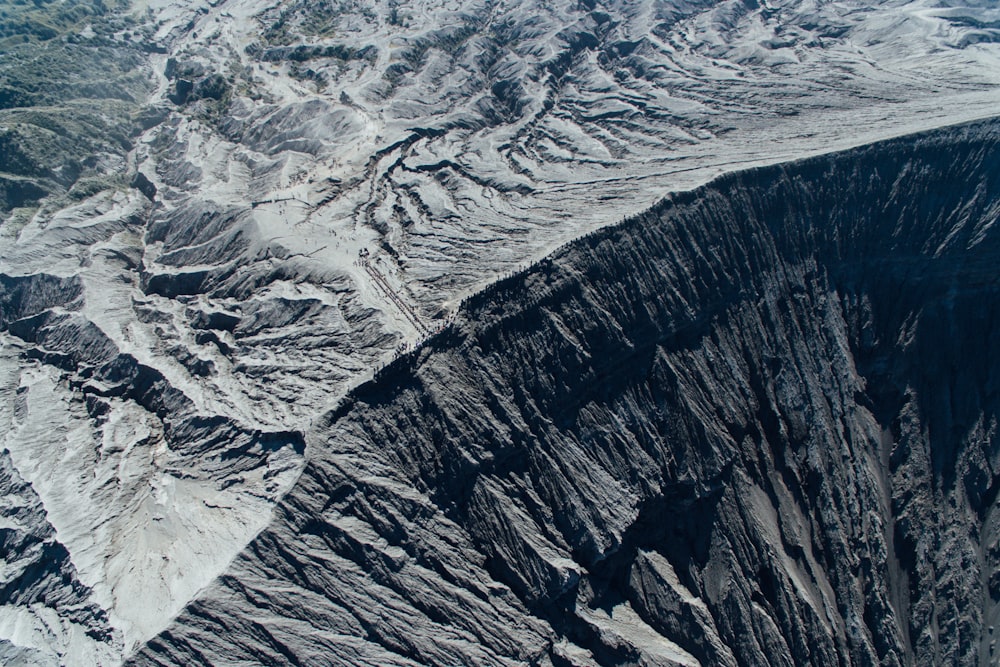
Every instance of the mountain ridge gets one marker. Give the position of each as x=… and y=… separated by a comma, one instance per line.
x=274, y=198
x=692, y=501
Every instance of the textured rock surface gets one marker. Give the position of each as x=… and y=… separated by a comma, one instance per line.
x=188, y=297
x=754, y=425
x=52, y=617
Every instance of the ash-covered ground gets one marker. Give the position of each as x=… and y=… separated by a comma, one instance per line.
x=220, y=217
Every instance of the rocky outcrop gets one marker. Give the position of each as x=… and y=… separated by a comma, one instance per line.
x=216, y=218
x=57, y=619
x=754, y=425
x=122, y=460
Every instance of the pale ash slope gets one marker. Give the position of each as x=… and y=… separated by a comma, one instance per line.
x=48, y=613
x=176, y=350
x=455, y=140
x=756, y=425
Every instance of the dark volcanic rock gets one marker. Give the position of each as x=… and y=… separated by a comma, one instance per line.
x=27, y=296
x=755, y=425
x=141, y=182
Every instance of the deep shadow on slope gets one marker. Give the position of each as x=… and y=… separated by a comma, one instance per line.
x=755, y=425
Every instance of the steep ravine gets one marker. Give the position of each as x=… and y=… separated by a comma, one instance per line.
x=756, y=425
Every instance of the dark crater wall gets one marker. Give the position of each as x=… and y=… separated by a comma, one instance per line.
x=756, y=425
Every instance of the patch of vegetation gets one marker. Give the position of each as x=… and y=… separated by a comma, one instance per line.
x=320, y=19
x=313, y=20
x=304, y=73
x=17, y=219
x=305, y=52
x=19, y=191
x=43, y=20
x=72, y=79
x=91, y=185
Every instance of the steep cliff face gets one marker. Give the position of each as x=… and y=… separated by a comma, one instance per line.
x=755, y=425
x=217, y=217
